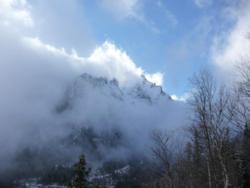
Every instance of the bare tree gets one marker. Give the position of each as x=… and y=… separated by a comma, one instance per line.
x=162, y=151
x=239, y=106
x=241, y=102
x=210, y=104
x=244, y=73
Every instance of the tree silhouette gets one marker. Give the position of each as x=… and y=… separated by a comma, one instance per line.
x=81, y=173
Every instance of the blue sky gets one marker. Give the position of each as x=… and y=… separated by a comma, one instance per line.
x=175, y=38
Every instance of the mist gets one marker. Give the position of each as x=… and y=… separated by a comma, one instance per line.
x=36, y=79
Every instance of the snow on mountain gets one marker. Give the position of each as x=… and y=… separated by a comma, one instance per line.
x=143, y=90
x=148, y=91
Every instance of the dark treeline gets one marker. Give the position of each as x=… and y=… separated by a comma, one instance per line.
x=217, y=153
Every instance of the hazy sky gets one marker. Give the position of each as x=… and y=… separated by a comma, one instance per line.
x=170, y=38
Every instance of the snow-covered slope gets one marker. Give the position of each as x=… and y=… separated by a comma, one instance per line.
x=90, y=87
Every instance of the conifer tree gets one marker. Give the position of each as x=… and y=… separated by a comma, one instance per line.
x=246, y=156
x=81, y=174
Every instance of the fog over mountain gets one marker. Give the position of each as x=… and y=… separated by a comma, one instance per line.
x=48, y=93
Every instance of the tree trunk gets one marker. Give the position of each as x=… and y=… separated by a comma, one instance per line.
x=224, y=172
x=209, y=175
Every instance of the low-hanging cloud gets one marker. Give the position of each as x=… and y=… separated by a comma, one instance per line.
x=35, y=78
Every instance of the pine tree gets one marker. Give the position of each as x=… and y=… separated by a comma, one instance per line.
x=81, y=174
x=246, y=157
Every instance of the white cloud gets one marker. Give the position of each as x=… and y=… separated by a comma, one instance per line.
x=156, y=78
x=182, y=98
x=107, y=60
x=15, y=12
x=115, y=63
x=203, y=3
x=233, y=47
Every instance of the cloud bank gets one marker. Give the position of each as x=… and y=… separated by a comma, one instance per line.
x=35, y=77
x=106, y=60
